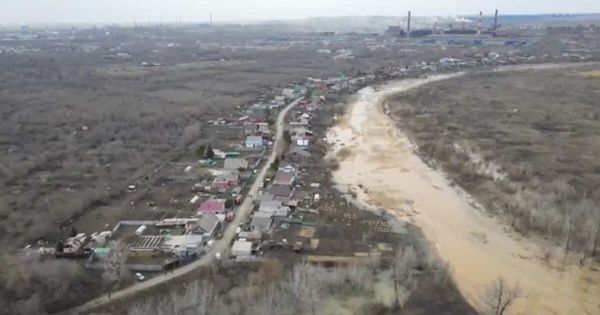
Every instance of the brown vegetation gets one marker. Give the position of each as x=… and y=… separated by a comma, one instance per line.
x=525, y=144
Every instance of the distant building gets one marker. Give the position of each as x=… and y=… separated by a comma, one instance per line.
x=288, y=93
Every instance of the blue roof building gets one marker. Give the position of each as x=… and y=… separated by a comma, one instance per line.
x=254, y=141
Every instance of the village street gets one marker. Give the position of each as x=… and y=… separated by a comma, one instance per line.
x=241, y=214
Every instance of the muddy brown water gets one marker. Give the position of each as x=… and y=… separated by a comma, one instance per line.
x=379, y=157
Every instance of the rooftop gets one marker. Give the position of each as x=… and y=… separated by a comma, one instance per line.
x=212, y=205
x=283, y=178
x=235, y=163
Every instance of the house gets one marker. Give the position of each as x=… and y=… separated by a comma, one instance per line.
x=279, y=100
x=263, y=128
x=187, y=245
x=235, y=164
x=261, y=221
x=274, y=208
x=254, y=142
x=266, y=196
x=287, y=167
x=281, y=192
x=269, y=205
x=259, y=116
x=299, y=154
x=284, y=178
x=212, y=206
x=302, y=141
x=302, y=121
x=74, y=244
x=288, y=93
x=241, y=249
x=301, y=131
x=209, y=224
x=226, y=181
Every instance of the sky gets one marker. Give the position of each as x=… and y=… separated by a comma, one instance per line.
x=129, y=11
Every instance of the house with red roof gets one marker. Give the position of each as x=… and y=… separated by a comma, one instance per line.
x=284, y=178
x=226, y=181
x=212, y=206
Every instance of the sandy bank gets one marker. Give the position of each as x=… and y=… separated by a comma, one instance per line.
x=380, y=158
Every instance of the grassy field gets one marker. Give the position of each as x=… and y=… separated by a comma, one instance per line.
x=82, y=119
x=525, y=144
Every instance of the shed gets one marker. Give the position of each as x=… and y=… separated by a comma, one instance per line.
x=102, y=251
x=241, y=249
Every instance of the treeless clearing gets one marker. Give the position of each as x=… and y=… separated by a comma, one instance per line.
x=447, y=215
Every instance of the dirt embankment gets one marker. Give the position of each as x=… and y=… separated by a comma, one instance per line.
x=479, y=249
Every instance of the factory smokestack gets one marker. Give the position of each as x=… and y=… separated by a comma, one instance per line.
x=496, y=20
x=408, y=26
x=480, y=22
x=495, y=23
x=210, y=18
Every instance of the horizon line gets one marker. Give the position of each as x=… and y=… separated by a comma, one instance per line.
x=264, y=21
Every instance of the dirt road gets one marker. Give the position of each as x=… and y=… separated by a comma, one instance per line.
x=379, y=158
x=220, y=246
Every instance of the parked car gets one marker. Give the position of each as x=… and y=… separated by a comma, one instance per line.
x=139, y=277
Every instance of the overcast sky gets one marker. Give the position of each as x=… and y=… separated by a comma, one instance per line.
x=126, y=11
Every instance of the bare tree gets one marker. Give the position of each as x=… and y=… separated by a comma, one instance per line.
x=205, y=297
x=374, y=261
x=306, y=284
x=115, y=270
x=499, y=297
x=402, y=274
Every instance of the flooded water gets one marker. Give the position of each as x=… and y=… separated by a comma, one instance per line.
x=378, y=162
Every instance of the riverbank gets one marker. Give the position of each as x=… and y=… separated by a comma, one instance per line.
x=377, y=161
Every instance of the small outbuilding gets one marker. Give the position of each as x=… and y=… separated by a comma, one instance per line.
x=241, y=249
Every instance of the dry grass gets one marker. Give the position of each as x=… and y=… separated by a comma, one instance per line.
x=525, y=144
